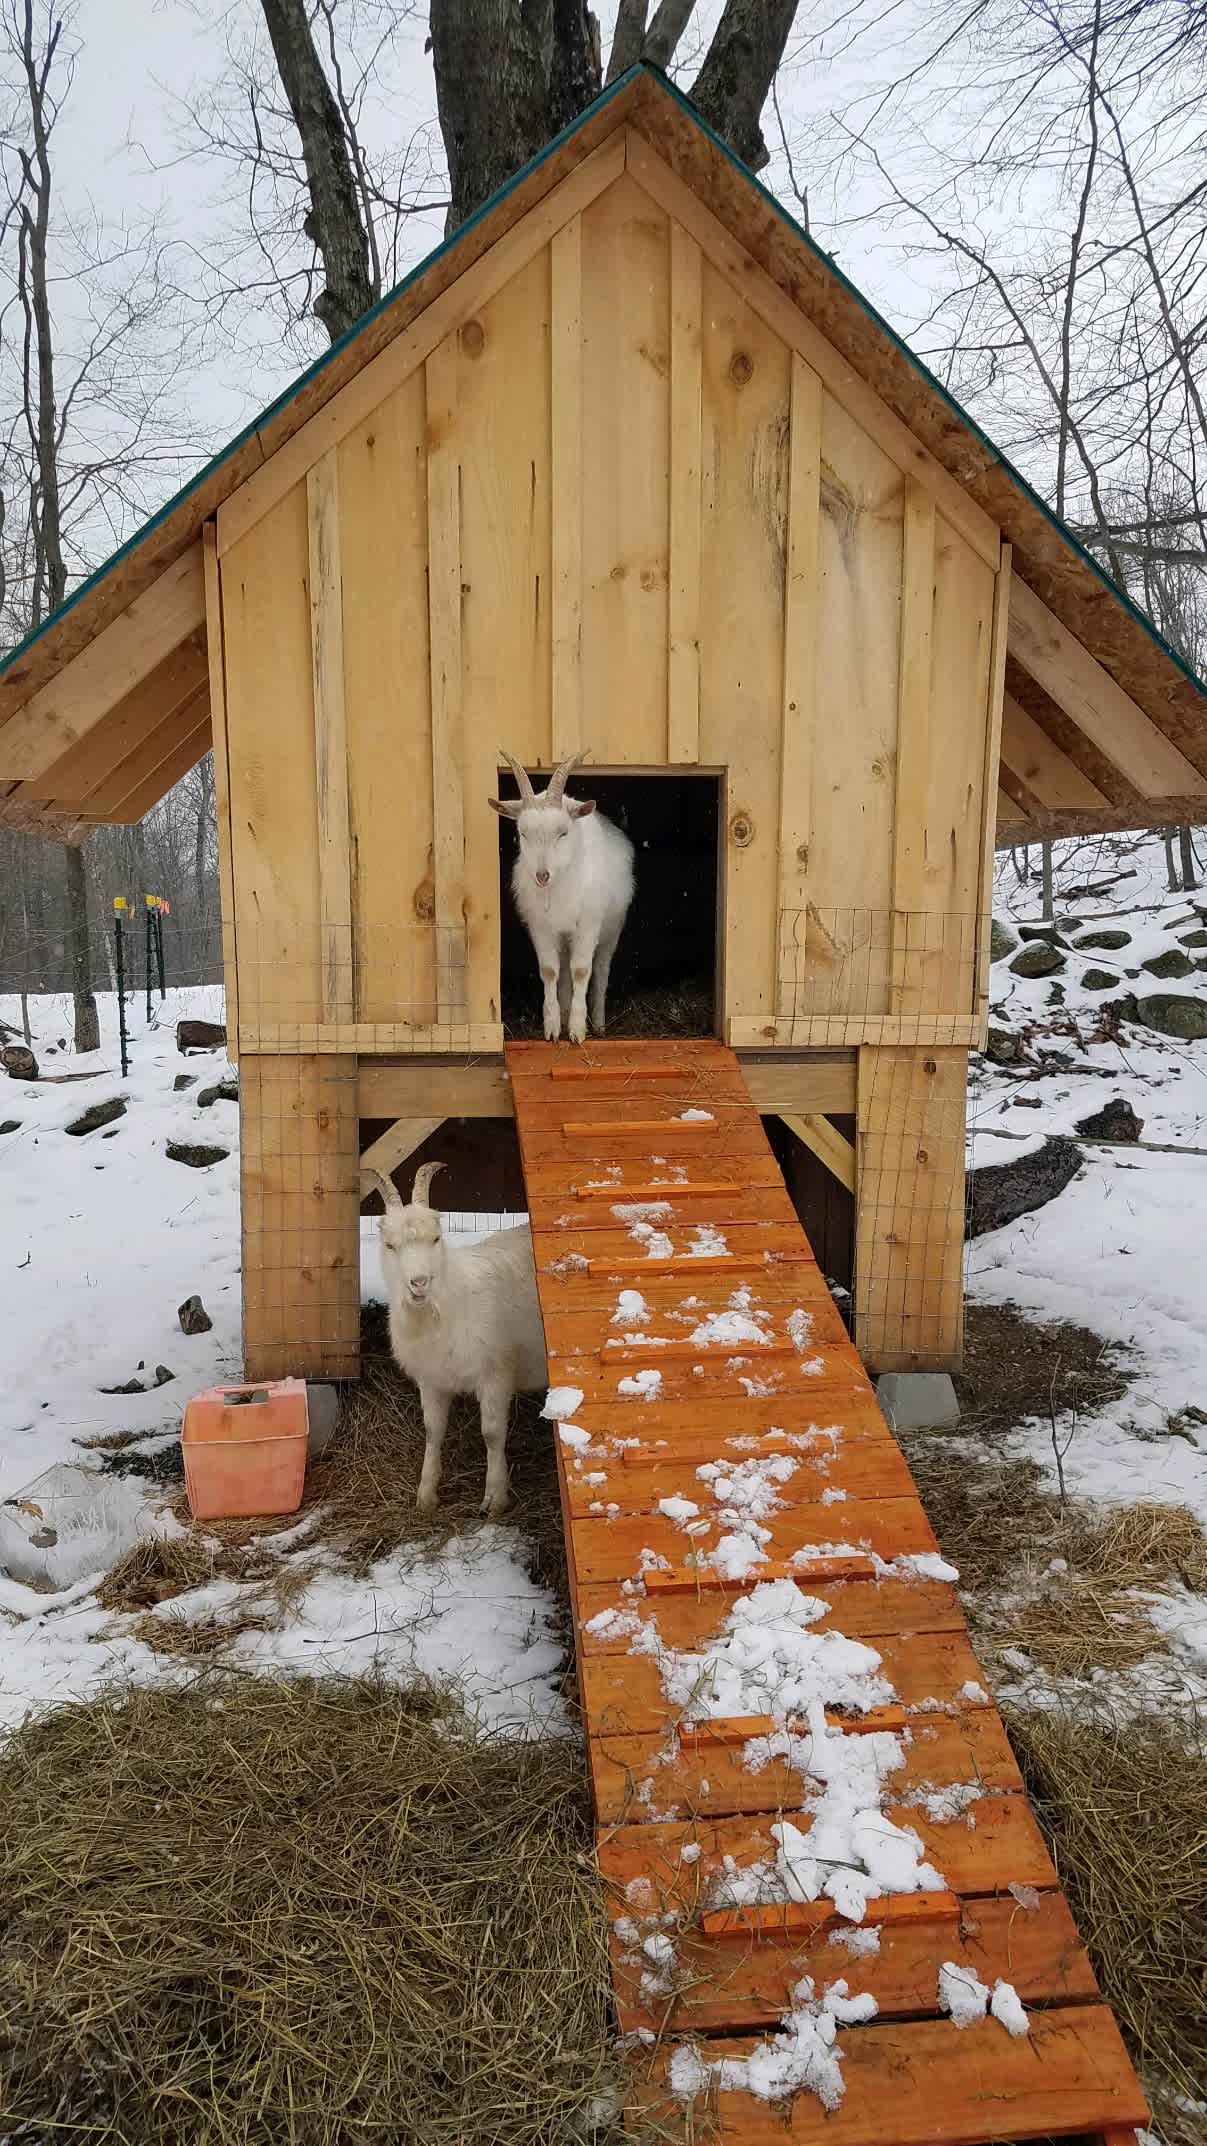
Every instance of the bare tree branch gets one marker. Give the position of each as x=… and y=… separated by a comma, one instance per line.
x=739, y=67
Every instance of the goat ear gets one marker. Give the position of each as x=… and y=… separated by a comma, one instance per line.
x=508, y=808
x=579, y=807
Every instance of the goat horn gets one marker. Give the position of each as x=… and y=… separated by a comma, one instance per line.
x=390, y=1195
x=527, y=793
x=423, y=1178
x=560, y=777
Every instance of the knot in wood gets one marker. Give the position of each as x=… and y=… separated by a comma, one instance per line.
x=741, y=367
x=473, y=338
x=741, y=830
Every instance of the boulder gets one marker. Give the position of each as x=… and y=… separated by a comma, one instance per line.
x=183, y=1081
x=221, y=1091
x=1169, y=964
x=1194, y=938
x=1049, y=934
x=10, y=1125
x=96, y=1115
x=1172, y=1013
x=195, y=1154
x=19, y=1062
x=1003, y=1191
x=1038, y=959
x=1002, y=940
x=200, y=1036
x=1098, y=980
x=1003, y=1047
x=1105, y=942
x=1115, y=1121
x=193, y=1317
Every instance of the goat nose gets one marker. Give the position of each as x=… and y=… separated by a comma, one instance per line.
x=542, y=879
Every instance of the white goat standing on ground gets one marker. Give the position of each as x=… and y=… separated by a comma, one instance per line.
x=573, y=882
x=463, y=1319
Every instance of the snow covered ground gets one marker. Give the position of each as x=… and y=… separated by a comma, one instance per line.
x=103, y=1237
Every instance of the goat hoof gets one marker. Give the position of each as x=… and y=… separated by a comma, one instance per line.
x=494, y=1508
x=578, y=1029
x=426, y=1501
x=553, y=1031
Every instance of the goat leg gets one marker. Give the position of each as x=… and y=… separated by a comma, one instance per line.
x=494, y=1403
x=435, y=1424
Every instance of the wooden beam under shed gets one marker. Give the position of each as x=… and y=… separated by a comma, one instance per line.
x=189, y=749
x=815, y=1083
x=163, y=692
x=153, y=752
x=1037, y=762
x=404, y=1136
x=826, y=1142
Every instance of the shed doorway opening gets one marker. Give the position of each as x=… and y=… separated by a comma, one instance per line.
x=664, y=977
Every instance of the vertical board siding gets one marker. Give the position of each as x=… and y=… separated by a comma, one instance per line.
x=856, y=688
x=683, y=611
x=747, y=387
x=914, y=851
x=566, y=506
x=330, y=739
x=626, y=485
x=502, y=442
x=799, y=720
x=216, y=666
x=959, y=724
x=387, y=694
x=270, y=730
x=447, y=675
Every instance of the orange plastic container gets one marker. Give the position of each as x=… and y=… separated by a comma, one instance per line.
x=245, y=1450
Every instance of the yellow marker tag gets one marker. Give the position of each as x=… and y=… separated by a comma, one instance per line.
x=119, y=901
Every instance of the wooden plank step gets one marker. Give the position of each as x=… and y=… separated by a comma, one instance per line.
x=562, y=1200
x=604, y=1051
x=636, y=1775
x=683, y=1283
x=891, y=1527
x=641, y=1149
x=863, y=1609
x=623, y=1693
x=744, y=1983
x=929, y=2083
x=661, y=1092
x=838, y=1396
x=871, y=1466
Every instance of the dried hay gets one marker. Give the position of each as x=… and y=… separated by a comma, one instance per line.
x=1124, y=1809
x=319, y=1913
x=1078, y=1628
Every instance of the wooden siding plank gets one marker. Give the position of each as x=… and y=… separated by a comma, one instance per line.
x=409, y=351
x=626, y=485
x=216, y=662
x=1089, y=695
x=757, y=290
x=300, y=1194
x=270, y=733
x=912, y=784
x=387, y=693
x=960, y=773
x=567, y=489
x=683, y=720
x=448, y=719
x=800, y=706
x=990, y=776
x=746, y=387
x=330, y=739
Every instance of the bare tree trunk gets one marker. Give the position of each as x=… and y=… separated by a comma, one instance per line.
x=575, y=70
x=739, y=68
x=491, y=60
x=1049, y=909
x=1186, y=852
x=334, y=223
x=87, y=1025
x=1171, y=870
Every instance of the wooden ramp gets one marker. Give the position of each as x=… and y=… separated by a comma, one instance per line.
x=648, y=1170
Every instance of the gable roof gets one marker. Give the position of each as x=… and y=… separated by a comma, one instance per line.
x=106, y=705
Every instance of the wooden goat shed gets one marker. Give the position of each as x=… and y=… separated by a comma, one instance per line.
x=626, y=465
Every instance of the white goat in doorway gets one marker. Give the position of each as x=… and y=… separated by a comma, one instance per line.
x=573, y=883
x=463, y=1319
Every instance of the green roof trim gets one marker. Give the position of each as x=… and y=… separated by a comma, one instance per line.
x=479, y=216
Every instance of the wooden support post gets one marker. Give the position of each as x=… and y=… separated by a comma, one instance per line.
x=909, y=1230
x=916, y=984
x=301, y=1209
